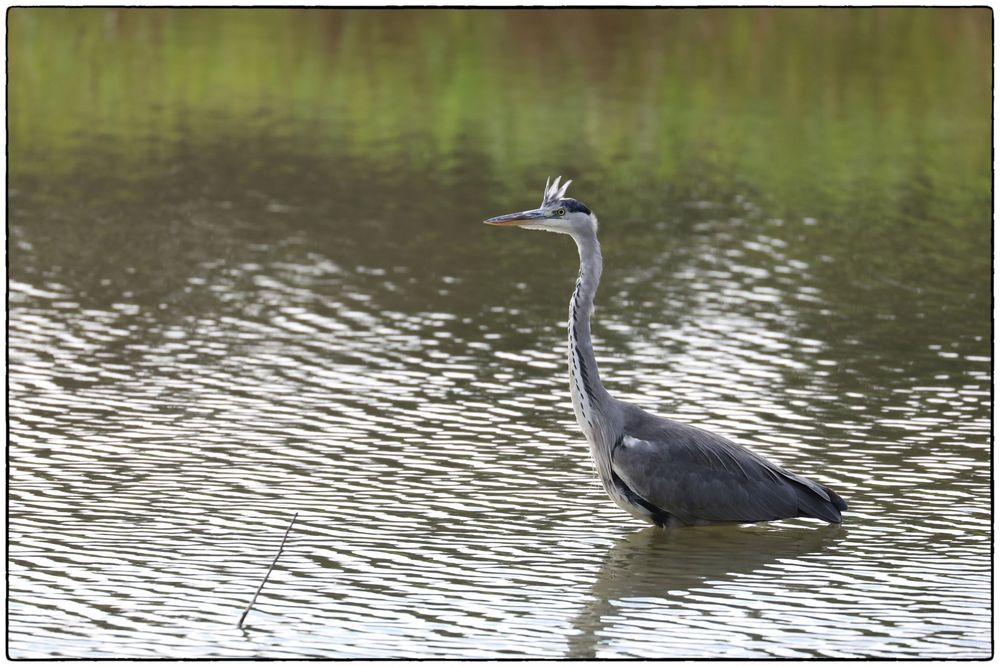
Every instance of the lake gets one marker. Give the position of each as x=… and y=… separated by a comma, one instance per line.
x=248, y=277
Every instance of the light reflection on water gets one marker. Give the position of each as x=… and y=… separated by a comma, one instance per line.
x=254, y=325
x=447, y=505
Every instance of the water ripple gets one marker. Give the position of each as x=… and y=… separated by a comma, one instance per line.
x=447, y=505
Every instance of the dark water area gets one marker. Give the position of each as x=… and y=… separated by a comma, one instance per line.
x=247, y=277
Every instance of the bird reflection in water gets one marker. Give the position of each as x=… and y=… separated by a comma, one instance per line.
x=654, y=563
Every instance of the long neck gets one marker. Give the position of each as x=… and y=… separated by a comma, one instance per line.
x=581, y=349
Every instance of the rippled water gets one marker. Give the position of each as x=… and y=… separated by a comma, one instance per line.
x=198, y=352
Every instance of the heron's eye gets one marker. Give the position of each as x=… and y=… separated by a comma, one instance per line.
x=560, y=212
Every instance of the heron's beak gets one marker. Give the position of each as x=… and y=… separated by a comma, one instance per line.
x=515, y=219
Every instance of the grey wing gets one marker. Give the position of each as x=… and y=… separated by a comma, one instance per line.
x=696, y=476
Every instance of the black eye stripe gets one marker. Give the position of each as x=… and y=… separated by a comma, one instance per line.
x=573, y=206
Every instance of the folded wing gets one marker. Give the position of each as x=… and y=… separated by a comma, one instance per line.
x=698, y=476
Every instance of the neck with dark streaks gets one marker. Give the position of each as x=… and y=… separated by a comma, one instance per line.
x=584, y=376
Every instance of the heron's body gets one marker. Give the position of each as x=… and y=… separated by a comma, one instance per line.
x=656, y=469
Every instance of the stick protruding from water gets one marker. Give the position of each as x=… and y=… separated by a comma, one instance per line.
x=273, y=563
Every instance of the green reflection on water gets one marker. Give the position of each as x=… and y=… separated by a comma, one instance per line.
x=873, y=123
x=817, y=108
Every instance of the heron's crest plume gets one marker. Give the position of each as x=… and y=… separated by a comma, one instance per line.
x=553, y=193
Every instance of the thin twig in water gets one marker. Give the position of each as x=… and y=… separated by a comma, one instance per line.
x=273, y=563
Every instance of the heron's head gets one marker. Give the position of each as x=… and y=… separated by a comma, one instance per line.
x=557, y=213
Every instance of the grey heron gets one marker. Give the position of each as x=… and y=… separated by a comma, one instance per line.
x=656, y=469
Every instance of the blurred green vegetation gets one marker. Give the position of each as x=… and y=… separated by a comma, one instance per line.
x=823, y=110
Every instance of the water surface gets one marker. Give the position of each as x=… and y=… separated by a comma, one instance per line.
x=247, y=278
